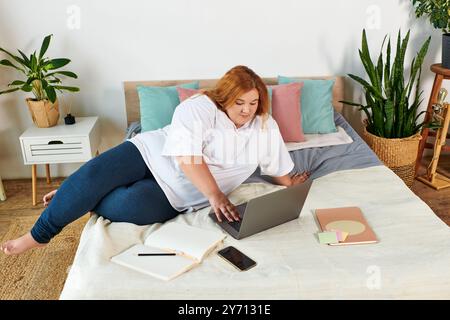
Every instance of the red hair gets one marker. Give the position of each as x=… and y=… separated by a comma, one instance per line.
x=236, y=82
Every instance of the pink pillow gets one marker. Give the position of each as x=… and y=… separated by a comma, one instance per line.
x=184, y=93
x=286, y=110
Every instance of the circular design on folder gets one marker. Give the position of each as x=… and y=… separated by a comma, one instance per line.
x=350, y=226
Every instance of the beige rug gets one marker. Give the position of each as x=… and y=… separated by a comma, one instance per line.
x=39, y=273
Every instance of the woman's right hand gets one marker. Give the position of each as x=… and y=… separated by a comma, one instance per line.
x=223, y=207
x=300, y=177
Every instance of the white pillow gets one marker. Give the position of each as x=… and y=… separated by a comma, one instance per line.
x=321, y=140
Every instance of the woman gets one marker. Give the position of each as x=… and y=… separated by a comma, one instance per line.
x=215, y=142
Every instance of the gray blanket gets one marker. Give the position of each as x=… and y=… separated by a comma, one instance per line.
x=324, y=160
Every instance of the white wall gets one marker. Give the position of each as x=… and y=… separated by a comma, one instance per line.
x=187, y=39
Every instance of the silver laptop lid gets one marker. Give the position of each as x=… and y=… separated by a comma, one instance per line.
x=273, y=209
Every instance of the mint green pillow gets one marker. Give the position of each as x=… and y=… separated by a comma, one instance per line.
x=157, y=104
x=316, y=104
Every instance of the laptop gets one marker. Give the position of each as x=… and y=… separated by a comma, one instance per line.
x=266, y=211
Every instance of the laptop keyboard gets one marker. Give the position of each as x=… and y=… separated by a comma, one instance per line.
x=236, y=225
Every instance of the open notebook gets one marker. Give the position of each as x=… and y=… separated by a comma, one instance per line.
x=190, y=244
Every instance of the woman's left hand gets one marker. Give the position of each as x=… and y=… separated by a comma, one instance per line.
x=300, y=177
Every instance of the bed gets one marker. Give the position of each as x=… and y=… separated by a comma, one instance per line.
x=410, y=261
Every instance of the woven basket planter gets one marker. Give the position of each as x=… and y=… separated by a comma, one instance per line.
x=44, y=113
x=399, y=155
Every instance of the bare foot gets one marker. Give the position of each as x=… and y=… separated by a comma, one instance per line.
x=20, y=245
x=48, y=197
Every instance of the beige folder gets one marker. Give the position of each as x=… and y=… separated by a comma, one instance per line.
x=347, y=219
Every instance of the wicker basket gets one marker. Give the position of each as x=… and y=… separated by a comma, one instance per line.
x=397, y=154
x=44, y=113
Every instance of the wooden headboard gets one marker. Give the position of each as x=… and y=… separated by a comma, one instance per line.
x=132, y=98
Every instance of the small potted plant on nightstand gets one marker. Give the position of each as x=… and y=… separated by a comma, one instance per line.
x=42, y=79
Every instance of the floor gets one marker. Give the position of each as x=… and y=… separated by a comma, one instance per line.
x=18, y=202
x=18, y=206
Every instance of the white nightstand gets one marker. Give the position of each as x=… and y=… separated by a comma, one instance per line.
x=62, y=143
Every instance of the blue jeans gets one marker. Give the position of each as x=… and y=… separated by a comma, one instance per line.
x=117, y=185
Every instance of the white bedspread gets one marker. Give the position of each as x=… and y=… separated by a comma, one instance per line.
x=411, y=260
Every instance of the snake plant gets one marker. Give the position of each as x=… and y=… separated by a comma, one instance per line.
x=41, y=75
x=389, y=109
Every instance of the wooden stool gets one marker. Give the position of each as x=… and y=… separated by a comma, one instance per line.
x=432, y=177
x=441, y=74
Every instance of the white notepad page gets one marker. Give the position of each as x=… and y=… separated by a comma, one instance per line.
x=189, y=240
x=162, y=267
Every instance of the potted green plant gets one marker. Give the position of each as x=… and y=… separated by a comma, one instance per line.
x=438, y=12
x=41, y=77
x=392, y=102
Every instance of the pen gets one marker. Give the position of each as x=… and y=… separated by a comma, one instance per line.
x=157, y=254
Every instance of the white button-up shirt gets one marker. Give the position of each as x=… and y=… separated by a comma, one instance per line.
x=232, y=154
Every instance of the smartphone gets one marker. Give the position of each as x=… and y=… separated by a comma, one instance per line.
x=236, y=258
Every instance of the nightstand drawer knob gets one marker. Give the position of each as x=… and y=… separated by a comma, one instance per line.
x=55, y=142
